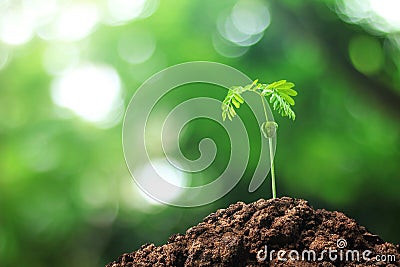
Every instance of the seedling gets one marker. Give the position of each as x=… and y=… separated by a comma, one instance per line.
x=280, y=97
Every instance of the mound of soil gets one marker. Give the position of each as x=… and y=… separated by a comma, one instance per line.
x=276, y=232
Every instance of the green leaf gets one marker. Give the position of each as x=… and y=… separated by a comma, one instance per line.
x=236, y=103
x=239, y=98
x=272, y=98
x=280, y=95
x=254, y=86
x=287, y=91
x=288, y=99
x=286, y=85
x=232, y=111
x=275, y=105
x=276, y=84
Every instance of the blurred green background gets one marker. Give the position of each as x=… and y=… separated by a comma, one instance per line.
x=69, y=68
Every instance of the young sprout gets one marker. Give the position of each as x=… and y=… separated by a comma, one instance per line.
x=280, y=95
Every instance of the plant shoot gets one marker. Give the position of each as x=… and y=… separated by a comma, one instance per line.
x=280, y=95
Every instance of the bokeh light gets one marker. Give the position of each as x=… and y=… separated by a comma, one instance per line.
x=381, y=15
x=250, y=17
x=366, y=54
x=91, y=91
x=226, y=48
x=388, y=11
x=240, y=27
x=122, y=11
x=71, y=23
x=169, y=174
x=16, y=27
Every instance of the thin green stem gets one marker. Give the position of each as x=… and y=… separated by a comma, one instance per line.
x=271, y=151
x=265, y=107
x=271, y=155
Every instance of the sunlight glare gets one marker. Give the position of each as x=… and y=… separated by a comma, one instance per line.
x=90, y=91
x=388, y=10
x=380, y=15
x=125, y=10
x=40, y=10
x=74, y=23
x=15, y=27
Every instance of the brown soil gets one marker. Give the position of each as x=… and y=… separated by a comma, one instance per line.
x=234, y=236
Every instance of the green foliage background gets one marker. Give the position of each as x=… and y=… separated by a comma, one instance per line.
x=342, y=153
